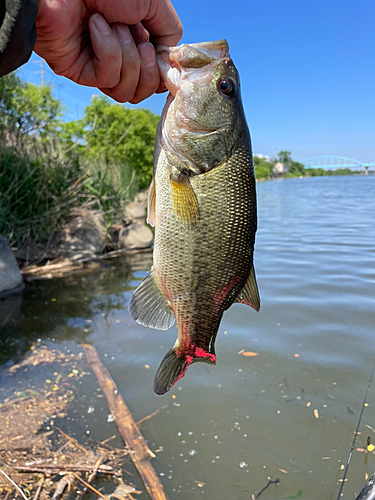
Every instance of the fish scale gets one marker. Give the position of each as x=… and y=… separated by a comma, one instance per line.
x=204, y=214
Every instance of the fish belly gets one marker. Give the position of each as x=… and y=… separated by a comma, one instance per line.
x=202, y=268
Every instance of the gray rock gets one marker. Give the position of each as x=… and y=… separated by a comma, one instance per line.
x=83, y=235
x=136, y=210
x=142, y=196
x=10, y=276
x=135, y=235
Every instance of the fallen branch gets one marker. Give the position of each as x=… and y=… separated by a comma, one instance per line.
x=40, y=486
x=69, y=265
x=140, y=453
x=151, y=415
x=91, y=476
x=65, y=481
x=89, y=486
x=276, y=481
x=15, y=485
x=55, y=468
x=73, y=441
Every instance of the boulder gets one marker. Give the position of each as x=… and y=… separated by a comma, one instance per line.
x=83, y=235
x=136, y=210
x=135, y=235
x=142, y=196
x=10, y=276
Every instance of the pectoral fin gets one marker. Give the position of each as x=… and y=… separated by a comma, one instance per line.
x=250, y=294
x=184, y=201
x=148, y=306
x=151, y=203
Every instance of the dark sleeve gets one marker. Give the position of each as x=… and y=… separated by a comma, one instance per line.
x=17, y=33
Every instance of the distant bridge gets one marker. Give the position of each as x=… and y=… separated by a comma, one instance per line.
x=335, y=162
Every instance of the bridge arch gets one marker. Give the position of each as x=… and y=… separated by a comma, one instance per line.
x=334, y=161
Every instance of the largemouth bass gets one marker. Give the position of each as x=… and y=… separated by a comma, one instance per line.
x=202, y=202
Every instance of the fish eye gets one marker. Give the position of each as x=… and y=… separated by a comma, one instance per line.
x=226, y=86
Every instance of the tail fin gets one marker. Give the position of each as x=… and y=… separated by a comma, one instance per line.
x=173, y=367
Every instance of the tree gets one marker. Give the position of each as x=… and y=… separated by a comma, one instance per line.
x=121, y=136
x=296, y=168
x=26, y=108
x=284, y=157
x=262, y=168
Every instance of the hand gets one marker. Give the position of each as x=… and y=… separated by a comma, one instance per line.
x=106, y=43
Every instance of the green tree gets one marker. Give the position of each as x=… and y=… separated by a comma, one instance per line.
x=262, y=168
x=284, y=157
x=119, y=135
x=27, y=109
x=296, y=169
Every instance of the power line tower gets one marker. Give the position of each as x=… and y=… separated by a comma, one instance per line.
x=42, y=71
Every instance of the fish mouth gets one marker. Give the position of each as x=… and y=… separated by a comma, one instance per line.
x=194, y=62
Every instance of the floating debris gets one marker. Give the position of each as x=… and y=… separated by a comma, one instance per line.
x=248, y=354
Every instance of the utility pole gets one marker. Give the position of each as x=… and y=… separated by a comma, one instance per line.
x=42, y=70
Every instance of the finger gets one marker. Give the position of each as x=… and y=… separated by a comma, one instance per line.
x=149, y=78
x=104, y=68
x=162, y=88
x=158, y=17
x=126, y=88
x=163, y=23
x=139, y=33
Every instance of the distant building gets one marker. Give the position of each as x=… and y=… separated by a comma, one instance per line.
x=280, y=168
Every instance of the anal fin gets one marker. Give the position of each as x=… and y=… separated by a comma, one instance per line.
x=148, y=306
x=250, y=294
x=184, y=200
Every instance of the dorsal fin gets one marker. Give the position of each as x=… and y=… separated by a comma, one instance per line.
x=250, y=294
x=148, y=306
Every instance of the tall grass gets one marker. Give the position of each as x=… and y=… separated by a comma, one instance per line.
x=41, y=181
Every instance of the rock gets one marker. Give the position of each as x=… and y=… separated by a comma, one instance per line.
x=83, y=235
x=135, y=235
x=10, y=277
x=142, y=196
x=136, y=210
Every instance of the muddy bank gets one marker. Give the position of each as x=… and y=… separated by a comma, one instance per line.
x=40, y=457
x=83, y=241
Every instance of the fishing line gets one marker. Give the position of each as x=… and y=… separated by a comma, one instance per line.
x=356, y=433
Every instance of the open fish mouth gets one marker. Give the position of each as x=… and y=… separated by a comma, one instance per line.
x=194, y=63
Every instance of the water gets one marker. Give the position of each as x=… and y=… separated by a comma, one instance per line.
x=228, y=428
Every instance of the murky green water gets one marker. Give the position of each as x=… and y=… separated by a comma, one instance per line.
x=249, y=418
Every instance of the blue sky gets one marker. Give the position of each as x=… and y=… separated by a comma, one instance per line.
x=307, y=72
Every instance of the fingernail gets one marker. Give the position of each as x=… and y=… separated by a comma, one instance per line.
x=100, y=24
x=147, y=53
x=122, y=33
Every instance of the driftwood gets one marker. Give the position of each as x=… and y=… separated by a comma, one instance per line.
x=91, y=477
x=56, y=468
x=151, y=415
x=140, y=453
x=68, y=265
x=89, y=486
x=14, y=484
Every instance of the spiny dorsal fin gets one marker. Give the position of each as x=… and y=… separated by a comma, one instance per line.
x=184, y=201
x=151, y=203
x=148, y=306
x=250, y=294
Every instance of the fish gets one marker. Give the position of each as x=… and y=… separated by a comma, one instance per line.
x=202, y=203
